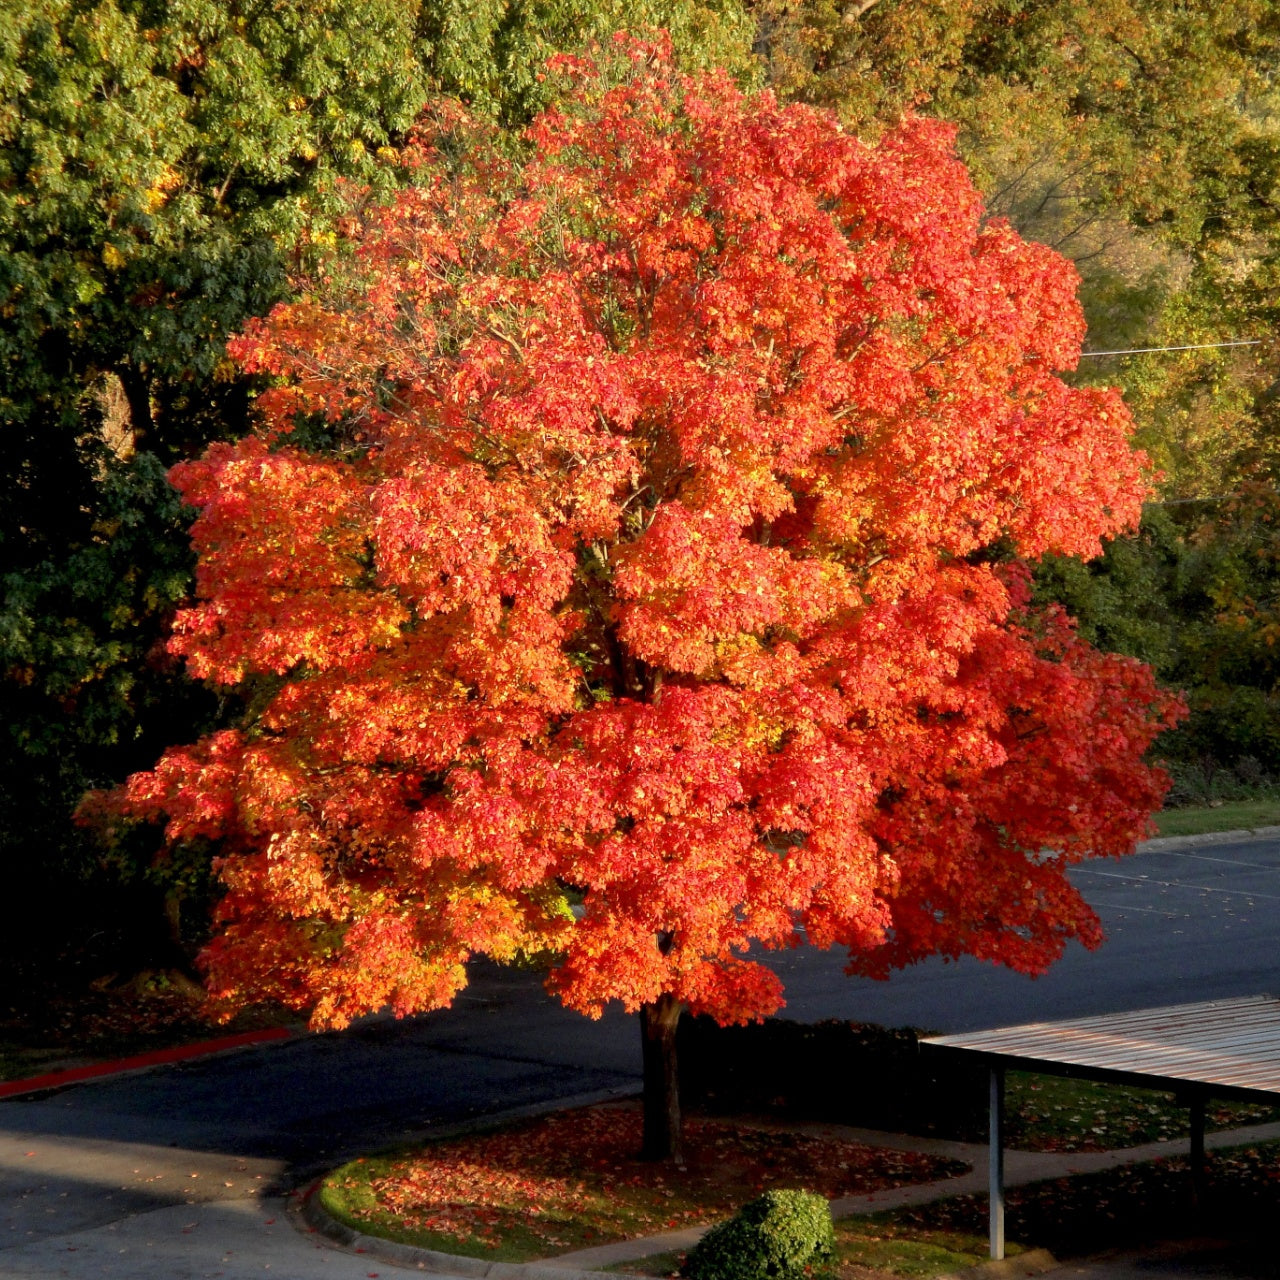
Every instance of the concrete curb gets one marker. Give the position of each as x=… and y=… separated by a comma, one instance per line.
x=58, y=1079
x=312, y=1212
x=1207, y=838
x=1034, y=1262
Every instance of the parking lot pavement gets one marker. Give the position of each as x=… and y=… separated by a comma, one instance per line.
x=227, y=1240
x=1188, y=919
x=1231, y=884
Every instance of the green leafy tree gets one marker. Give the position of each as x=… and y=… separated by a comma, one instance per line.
x=155, y=158
x=492, y=54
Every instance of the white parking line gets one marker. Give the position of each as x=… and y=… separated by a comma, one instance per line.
x=1123, y=907
x=1230, y=862
x=1176, y=884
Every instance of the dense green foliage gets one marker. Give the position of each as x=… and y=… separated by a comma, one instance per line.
x=155, y=159
x=784, y=1235
x=1197, y=595
x=493, y=53
x=91, y=692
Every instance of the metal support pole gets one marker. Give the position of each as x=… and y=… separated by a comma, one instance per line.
x=1197, y=1148
x=995, y=1149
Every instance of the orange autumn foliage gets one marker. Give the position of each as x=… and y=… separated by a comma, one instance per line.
x=664, y=549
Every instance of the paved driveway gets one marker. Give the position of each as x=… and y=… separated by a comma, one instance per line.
x=1182, y=923
x=177, y=1173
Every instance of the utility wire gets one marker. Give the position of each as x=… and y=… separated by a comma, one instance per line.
x=1196, y=346
x=1186, y=502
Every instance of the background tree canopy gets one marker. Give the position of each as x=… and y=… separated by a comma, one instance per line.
x=1140, y=138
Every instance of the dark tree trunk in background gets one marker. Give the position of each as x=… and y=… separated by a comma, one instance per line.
x=137, y=391
x=658, y=1022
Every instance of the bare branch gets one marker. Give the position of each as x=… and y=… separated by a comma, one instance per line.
x=857, y=9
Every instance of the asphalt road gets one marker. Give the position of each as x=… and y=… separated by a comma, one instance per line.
x=178, y=1172
x=1182, y=924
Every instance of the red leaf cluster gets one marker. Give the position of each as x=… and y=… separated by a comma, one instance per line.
x=662, y=554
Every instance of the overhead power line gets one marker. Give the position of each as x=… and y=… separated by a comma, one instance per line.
x=1195, y=346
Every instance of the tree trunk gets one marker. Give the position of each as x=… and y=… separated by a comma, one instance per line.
x=658, y=1022
x=173, y=917
x=137, y=391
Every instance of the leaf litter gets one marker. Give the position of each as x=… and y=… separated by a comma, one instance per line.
x=573, y=1179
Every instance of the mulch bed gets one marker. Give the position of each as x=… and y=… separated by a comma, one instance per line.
x=47, y=1025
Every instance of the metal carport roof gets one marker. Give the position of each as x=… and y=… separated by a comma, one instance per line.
x=1213, y=1047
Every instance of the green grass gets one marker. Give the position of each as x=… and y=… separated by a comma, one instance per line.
x=530, y=1234
x=882, y=1245
x=875, y=1242
x=18, y=1062
x=353, y=1203
x=653, y=1264
x=572, y=1180
x=1054, y=1113
x=1233, y=815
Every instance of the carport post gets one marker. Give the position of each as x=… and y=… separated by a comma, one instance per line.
x=1197, y=1147
x=995, y=1149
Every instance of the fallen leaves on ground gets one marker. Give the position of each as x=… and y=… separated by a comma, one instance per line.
x=573, y=1179
x=1049, y=1113
x=1123, y=1206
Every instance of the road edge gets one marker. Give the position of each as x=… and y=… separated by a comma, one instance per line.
x=1157, y=843
x=59, y=1079
x=318, y=1219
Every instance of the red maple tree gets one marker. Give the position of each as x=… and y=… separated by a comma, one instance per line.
x=637, y=525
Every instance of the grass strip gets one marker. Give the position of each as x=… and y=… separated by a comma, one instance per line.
x=571, y=1180
x=868, y=1244
x=1231, y=815
x=1054, y=1113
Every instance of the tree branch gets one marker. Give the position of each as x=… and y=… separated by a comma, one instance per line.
x=857, y=9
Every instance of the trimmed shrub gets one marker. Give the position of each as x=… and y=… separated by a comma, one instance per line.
x=784, y=1235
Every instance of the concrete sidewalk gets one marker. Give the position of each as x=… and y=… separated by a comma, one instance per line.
x=1172, y=1261
x=1020, y=1167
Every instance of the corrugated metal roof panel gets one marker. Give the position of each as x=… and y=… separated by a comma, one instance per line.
x=1234, y=1044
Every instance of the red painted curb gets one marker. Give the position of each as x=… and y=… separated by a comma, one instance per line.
x=179, y=1053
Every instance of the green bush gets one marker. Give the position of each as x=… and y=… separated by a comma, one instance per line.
x=784, y=1235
